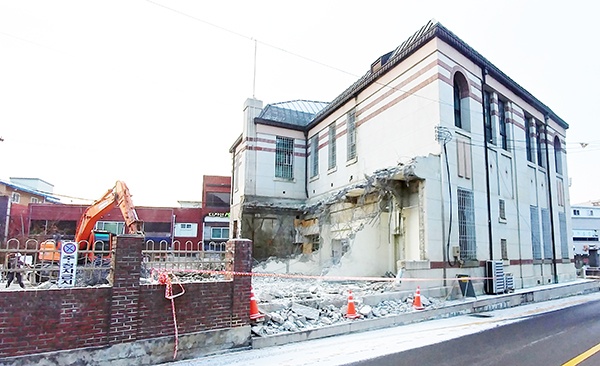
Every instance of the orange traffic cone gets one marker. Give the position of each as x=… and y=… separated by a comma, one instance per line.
x=351, y=313
x=254, y=313
x=417, y=300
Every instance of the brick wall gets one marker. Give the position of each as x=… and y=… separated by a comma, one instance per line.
x=36, y=321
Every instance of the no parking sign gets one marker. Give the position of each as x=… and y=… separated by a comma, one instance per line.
x=68, y=264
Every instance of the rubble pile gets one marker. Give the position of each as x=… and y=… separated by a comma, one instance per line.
x=292, y=304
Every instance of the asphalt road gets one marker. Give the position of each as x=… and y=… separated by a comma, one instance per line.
x=552, y=338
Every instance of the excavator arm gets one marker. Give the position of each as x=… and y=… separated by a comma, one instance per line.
x=118, y=195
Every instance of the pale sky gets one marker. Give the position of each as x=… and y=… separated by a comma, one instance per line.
x=151, y=92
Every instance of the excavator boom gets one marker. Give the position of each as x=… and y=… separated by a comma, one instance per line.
x=118, y=195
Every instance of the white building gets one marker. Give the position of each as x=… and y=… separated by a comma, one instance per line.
x=433, y=162
x=585, y=218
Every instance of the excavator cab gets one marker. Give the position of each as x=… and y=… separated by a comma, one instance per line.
x=100, y=244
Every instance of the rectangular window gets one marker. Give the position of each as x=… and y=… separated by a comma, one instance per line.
x=284, y=158
x=35, y=200
x=219, y=233
x=504, y=249
x=314, y=155
x=536, y=242
x=332, y=148
x=502, y=124
x=539, y=132
x=466, y=225
x=502, y=209
x=575, y=212
x=351, y=134
x=487, y=117
x=464, y=158
x=528, y=144
x=15, y=197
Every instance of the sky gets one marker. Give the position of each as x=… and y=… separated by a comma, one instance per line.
x=151, y=92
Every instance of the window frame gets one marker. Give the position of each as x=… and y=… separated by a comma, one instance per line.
x=351, y=135
x=502, y=124
x=314, y=156
x=332, y=148
x=284, y=157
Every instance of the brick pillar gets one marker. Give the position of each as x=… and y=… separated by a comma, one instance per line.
x=241, y=249
x=126, y=289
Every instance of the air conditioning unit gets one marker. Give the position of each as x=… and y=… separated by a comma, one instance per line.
x=509, y=282
x=495, y=279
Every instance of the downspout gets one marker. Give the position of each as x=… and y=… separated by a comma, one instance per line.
x=306, y=163
x=487, y=171
x=554, y=267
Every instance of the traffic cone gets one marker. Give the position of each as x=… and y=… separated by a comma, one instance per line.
x=254, y=313
x=417, y=300
x=351, y=313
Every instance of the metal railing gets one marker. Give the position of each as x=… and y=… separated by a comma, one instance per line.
x=33, y=264
x=187, y=259
x=36, y=263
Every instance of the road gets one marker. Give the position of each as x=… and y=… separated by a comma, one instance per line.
x=548, y=333
x=552, y=338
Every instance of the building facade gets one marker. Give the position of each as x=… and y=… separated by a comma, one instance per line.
x=432, y=163
x=585, y=218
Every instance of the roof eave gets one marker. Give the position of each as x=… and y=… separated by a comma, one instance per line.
x=288, y=126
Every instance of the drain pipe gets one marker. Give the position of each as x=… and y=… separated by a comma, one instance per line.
x=306, y=162
x=487, y=169
x=551, y=210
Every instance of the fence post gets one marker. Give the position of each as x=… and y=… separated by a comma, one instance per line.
x=124, y=316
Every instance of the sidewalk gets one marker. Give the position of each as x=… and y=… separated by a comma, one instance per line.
x=366, y=339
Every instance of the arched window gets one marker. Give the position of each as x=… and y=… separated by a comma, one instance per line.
x=461, y=93
x=557, y=155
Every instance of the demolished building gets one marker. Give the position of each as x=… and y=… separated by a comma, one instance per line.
x=434, y=163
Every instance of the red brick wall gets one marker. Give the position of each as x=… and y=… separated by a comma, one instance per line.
x=41, y=321
x=36, y=321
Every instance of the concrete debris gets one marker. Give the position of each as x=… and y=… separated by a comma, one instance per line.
x=290, y=309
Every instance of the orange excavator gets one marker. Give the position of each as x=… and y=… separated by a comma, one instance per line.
x=95, y=243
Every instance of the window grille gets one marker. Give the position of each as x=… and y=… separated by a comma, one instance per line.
x=284, y=158
x=564, y=240
x=536, y=244
x=314, y=154
x=502, y=209
x=351, y=133
x=332, y=148
x=504, y=249
x=547, y=233
x=466, y=225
